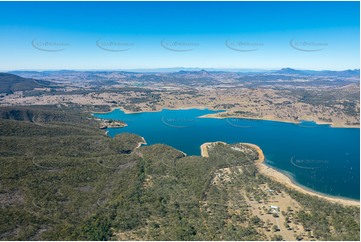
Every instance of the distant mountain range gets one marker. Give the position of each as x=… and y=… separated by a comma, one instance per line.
x=203, y=71
x=10, y=83
x=345, y=73
x=28, y=80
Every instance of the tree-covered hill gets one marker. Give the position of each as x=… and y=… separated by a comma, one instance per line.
x=10, y=83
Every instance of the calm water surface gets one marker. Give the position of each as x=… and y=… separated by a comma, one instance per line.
x=318, y=157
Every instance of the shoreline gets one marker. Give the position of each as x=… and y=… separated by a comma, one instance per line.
x=285, y=180
x=160, y=110
x=332, y=125
x=251, y=118
x=204, y=148
x=213, y=115
x=143, y=142
x=282, y=178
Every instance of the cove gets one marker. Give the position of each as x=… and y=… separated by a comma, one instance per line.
x=318, y=157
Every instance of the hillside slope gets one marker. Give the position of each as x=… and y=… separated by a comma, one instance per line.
x=10, y=83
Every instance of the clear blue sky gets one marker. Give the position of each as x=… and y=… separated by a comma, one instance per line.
x=265, y=35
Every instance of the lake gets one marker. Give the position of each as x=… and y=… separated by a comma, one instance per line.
x=321, y=158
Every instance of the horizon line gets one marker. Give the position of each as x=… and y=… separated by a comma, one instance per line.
x=179, y=69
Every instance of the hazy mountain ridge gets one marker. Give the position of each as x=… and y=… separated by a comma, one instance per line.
x=181, y=70
x=202, y=77
x=10, y=83
x=344, y=73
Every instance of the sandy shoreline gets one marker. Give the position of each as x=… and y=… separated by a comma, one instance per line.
x=332, y=125
x=204, y=147
x=214, y=115
x=252, y=118
x=143, y=142
x=280, y=177
x=157, y=111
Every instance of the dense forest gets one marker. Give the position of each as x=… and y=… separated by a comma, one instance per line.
x=62, y=178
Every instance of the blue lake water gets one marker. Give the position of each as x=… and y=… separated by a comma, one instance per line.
x=318, y=157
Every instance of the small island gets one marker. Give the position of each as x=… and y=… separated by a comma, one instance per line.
x=108, y=123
